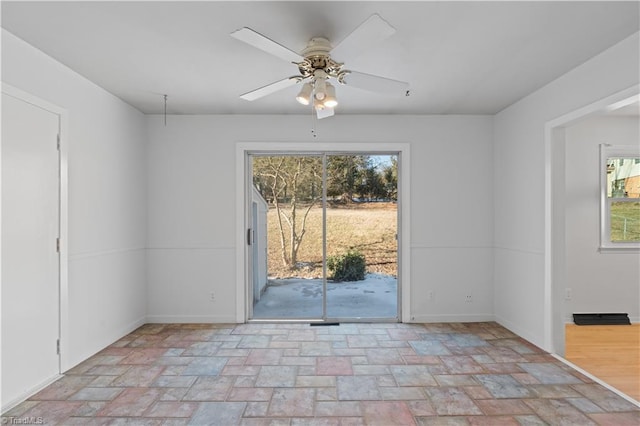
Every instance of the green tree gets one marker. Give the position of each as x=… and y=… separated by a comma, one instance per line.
x=372, y=185
x=344, y=176
x=390, y=179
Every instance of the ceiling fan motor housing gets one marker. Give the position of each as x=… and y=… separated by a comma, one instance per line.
x=316, y=57
x=317, y=46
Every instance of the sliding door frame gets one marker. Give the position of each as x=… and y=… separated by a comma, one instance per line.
x=243, y=168
x=250, y=261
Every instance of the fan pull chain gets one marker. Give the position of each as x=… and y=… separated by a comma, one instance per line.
x=165, y=110
x=314, y=119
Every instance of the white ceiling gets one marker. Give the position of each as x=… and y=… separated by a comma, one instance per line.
x=459, y=57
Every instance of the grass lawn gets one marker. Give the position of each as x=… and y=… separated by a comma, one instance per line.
x=629, y=211
x=370, y=228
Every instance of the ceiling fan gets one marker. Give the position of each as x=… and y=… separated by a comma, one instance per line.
x=317, y=67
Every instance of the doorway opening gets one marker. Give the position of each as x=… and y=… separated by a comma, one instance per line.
x=569, y=211
x=559, y=301
x=323, y=236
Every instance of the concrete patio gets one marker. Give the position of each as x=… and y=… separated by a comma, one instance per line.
x=374, y=297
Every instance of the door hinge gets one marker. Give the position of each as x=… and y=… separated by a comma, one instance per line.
x=58, y=347
x=58, y=245
x=249, y=232
x=58, y=142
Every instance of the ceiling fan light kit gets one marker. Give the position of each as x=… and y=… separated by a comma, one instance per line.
x=330, y=96
x=304, y=97
x=316, y=67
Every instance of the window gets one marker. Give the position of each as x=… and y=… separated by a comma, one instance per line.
x=620, y=197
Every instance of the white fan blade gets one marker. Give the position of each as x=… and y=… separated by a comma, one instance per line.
x=374, y=83
x=265, y=44
x=268, y=89
x=324, y=112
x=369, y=33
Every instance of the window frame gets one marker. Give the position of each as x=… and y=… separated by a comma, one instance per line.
x=613, y=151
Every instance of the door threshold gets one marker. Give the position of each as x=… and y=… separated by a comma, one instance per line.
x=279, y=320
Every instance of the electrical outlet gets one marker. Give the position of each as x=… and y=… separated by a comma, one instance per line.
x=468, y=298
x=212, y=296
x=430, y=295
x=567, y=294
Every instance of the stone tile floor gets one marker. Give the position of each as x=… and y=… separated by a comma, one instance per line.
x=350, y=374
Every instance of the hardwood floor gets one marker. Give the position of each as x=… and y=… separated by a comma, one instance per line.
x=609, y=352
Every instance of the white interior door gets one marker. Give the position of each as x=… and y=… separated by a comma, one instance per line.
x=30, y=259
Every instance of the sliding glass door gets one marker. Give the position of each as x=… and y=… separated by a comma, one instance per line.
x=323, y=239
x=288, y=192
x=361, y=227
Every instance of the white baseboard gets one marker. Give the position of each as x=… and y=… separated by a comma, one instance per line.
x=452, y=318
x=32, y=391
x=134, y=325
x=525, y=334
x=190, y=319
x=597, y=380
x=67, y=364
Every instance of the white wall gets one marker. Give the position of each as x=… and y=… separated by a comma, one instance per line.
x=495, y=197
x=599, y=282
x=107, y=199
x=519, y=158
x=259, y=275
x=192, y=195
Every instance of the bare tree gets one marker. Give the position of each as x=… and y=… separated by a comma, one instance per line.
x=293, y=185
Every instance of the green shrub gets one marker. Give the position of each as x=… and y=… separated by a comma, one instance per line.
x=347, y=267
